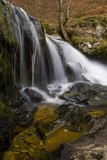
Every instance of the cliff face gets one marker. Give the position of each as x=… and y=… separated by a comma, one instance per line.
x=48, y=10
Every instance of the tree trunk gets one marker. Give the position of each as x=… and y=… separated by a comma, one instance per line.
x=68, y=9
x=61, y=21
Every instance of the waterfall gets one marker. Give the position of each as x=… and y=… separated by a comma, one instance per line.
x=18, y=30
x=92, y=71
x=37, y=63
x=56, y=63
x=23, y=25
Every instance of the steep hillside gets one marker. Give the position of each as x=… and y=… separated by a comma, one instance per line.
x=47, y=10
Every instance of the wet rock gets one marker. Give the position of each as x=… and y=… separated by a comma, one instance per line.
x=86, y=94
x=33, y=95
x=22, y=110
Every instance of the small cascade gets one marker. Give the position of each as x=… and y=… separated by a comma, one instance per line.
x=57, y=69
x=92, y=71
x=19, y=33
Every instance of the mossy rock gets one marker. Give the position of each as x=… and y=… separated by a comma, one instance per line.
x=45, y=114
x=44, y=118
x=50, y=29
x=97, y=113
x=30, y=144
x=27, y=146
x=88, y=21
x=89, y=35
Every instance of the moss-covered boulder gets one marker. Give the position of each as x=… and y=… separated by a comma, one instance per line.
x=88, y=34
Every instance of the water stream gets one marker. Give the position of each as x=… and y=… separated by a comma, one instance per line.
x=49, y=67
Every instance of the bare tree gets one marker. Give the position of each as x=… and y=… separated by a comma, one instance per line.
x=64, y=7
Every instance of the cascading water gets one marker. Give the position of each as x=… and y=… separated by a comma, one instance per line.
x=20, y=37
x=58, y=71
x=22, y=25
x=92, y=71
x=49, y=65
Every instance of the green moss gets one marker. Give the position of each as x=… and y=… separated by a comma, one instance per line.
x=45, y=114
x=96, y=113
x=6, y=24
x=8, y=45
x=44, y=118
x=49, y=28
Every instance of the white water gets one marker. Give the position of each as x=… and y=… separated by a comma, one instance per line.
x=57, y=66
x=19, y=35
x=93, y=71
x=60, y=55
x=47, y=98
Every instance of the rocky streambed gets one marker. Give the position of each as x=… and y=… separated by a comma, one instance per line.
x=74, y=130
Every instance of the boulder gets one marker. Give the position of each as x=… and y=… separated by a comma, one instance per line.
x=86, y=94
x=34, y=95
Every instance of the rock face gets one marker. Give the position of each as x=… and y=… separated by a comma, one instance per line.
x=88, y=34
x=8, y=45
